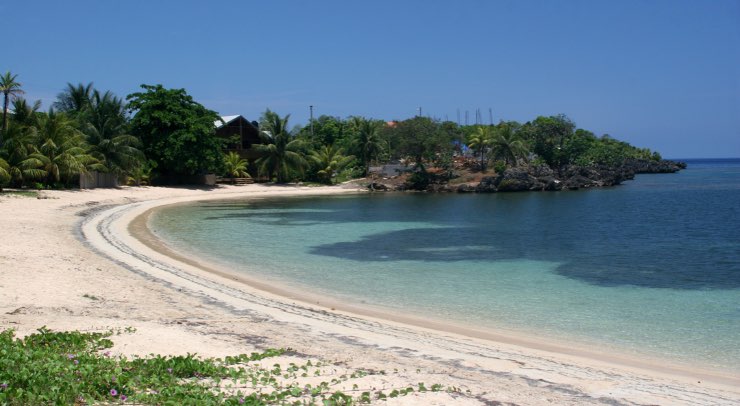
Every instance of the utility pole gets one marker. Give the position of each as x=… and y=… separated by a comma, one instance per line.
x=311, y=109
x=490, y=115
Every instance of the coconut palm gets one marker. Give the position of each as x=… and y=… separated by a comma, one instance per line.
x=329, y=160
x=4, y=173
x=19, y=144
x=74, y=100
x=280, y=151
x=105, y=131
x=479, y=142
x=10, y=89
x=23, y=113
x=235, y=166
x=507, y=145
x=367, y=143
x=61, y=151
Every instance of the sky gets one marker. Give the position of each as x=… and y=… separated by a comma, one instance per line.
x=658, y=74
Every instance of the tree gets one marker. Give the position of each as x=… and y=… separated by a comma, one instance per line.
x=327, y=130
x=330, y=160
x=367, y=143
x=19, y=144
x=10, y=89
x=60, y=152
x=418, y=138
x=547, y=137
x=106, y=131
x=507, y=145
x=281, y=151
x=178, y=134
x=23, y=113
x=479, y=142
x=235, y=166
x=4, y=173
x=74, y=100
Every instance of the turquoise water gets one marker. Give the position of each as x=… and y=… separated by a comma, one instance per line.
x=649, y=267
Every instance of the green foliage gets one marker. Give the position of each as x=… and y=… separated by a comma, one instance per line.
x=235, y=166
x=10, y=88
x=104, y=124
x=59, y=152
x=418, y=138
x=506, y=144
x=327, y=130
x=556, y=142
x=329, y=160
x=177, y=133
x=4, y=173
x=480, y=141
x=73, y=368
x=367, y=143
x=282, y=153
x=547, y=135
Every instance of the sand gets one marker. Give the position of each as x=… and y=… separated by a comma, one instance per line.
x=83, y=260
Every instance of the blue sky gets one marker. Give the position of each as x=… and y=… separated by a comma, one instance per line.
x=658, y=74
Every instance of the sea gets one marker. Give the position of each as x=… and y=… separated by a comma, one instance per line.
x=648, y=268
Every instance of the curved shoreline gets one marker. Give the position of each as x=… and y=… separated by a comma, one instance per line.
x=121, y=234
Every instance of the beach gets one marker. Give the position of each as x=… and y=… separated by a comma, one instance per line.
x=84, y=260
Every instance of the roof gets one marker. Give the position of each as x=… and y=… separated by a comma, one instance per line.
x=226, y=119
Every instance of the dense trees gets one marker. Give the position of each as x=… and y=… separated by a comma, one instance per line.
x=170, y=134
x=176, y=132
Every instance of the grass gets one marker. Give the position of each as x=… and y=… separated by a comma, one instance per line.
x=74, y=368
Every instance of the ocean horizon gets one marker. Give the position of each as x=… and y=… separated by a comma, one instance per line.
x=650, y=267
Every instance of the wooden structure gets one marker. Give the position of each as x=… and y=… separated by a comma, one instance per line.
x=235, y=181
x=240, y=134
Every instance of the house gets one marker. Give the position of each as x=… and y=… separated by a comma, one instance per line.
x=241, y=135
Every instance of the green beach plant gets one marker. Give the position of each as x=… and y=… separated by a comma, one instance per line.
x=73, y=367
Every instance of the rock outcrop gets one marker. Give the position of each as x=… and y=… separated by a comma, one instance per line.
x=543, y=178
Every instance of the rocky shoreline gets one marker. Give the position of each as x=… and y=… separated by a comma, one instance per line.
x=538, y=178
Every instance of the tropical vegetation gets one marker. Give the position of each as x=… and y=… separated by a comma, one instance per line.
x=159, y=133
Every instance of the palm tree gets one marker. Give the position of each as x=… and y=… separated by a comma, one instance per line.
x=4, y=173
x=330, y=159
x=280, y=150
x=10, y=89
x=479, y=142
x=508, y=145
x=23, y=113
x=367, y=143
x=74, y=100
x=60, y=151
x=235, y=166
x=19, y=144
x=105, y=129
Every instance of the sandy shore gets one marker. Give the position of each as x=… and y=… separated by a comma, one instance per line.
x=72, y=261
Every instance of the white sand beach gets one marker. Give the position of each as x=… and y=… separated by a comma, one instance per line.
x=83, y=260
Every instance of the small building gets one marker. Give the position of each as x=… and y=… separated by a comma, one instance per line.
x=241, y=135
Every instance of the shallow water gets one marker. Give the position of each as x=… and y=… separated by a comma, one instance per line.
x=649, y=267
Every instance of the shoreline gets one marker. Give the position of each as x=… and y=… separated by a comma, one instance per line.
x=138, y=227
x=72, y=264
